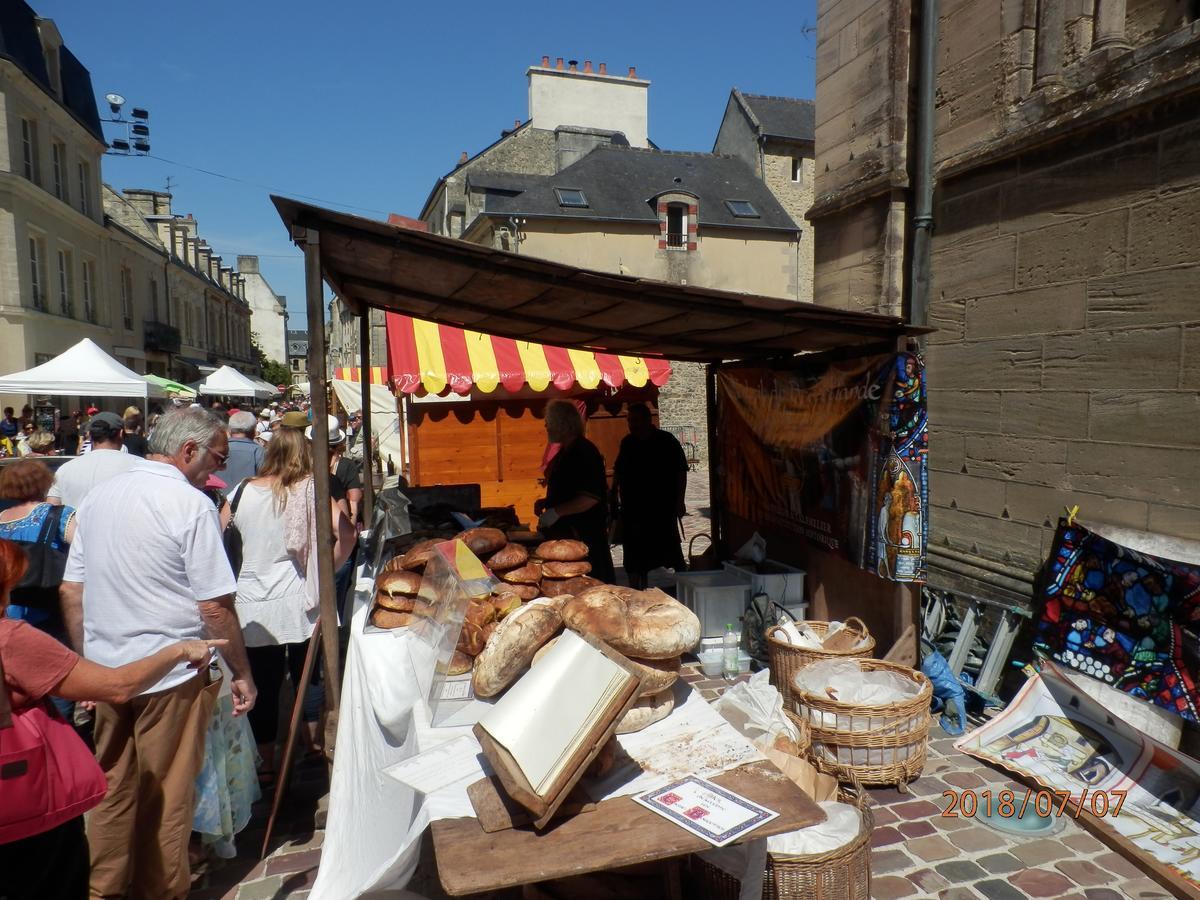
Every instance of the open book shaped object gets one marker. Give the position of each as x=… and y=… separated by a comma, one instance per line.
x=542, y=735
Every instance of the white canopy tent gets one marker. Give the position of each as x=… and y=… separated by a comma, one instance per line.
x=82, y=371
x=229, y=382
x=385, y=420
x=266, y=385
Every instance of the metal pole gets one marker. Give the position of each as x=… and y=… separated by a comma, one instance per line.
x=715, y=500
x=318, y=393
x=918, y=295
x=364, y=367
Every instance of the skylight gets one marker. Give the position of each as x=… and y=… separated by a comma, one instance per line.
x=742, y=209
x=570, y=197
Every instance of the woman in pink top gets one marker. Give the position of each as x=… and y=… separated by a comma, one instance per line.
x=55, y=862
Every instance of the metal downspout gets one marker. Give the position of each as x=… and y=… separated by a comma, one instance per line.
x=923, y=165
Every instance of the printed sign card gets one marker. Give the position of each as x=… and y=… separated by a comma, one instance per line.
x=706, y=810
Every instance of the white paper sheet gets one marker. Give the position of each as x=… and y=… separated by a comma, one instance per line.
x=441, y=767
x=707, y=810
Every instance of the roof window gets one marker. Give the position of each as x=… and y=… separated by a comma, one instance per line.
x=571, y=198
x=742, y=209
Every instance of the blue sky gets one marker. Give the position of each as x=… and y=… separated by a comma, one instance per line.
x=366, y=103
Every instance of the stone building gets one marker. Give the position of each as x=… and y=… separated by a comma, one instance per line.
x=297, y=355
x=1064, y=263
x=268, y=310
x=580, y=182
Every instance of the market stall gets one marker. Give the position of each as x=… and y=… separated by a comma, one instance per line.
x=229, y=382
x=488, y=292
x=81, y=371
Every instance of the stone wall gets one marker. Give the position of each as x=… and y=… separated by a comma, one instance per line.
x=795, y=196
x=682, y=404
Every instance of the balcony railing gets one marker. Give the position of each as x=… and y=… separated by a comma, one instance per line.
x=162, y=337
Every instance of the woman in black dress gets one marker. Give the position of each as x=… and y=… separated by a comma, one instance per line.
x=576, y=489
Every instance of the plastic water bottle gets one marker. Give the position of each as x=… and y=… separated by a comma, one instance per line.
x=729, y=654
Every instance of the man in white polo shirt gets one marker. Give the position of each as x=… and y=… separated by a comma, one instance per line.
x=148, y=568
x=106, y=459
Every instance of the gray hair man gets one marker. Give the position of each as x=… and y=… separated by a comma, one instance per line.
x=245, y=454
x=148, y=568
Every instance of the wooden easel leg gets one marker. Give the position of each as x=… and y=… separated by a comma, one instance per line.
x=289, y=747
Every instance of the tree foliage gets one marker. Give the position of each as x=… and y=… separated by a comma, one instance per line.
x=272, y=369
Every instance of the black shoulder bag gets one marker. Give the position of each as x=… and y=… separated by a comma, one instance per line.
x=47, y=563
x=232, y=536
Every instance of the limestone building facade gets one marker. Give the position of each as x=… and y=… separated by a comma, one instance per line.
x=268, y=310
x=1064, y=264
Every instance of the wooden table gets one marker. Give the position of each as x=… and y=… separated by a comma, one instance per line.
x=616, y=833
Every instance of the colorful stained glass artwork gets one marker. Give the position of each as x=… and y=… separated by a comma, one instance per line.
x=1116, y=614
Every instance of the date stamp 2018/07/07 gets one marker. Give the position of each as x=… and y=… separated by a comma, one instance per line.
x=1007, y=804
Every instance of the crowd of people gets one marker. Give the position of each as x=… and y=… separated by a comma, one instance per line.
x=155, y=592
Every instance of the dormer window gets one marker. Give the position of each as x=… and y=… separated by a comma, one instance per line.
x=742, y=209
x=677, y=226
x=571, y=198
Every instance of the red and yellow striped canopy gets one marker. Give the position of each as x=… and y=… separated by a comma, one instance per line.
x=427, y=356
x=354, y=373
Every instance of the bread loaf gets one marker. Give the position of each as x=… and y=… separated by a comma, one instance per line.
x=505, y=602
x=568, y=587
x=483, y=542
x=480, y=611
x=640, y=624
x=657, y=674
x=416, y=556
x=526, y=592
x=600, y=612
x=393, y=564
x=460, y=664
x=647, y=711
x=510, y=556
x=563, y=551
x=395, y=602
x=398, y=582
x=488, y=630
x=513, y=645
x=471, y=640
x=530, y=573
x=423, y=609
x=552, y=568
x=386, y=618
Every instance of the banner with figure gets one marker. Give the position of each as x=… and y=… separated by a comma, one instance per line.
x=834, y=453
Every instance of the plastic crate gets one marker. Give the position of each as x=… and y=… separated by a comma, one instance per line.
x=717, y=598
x=782, y=583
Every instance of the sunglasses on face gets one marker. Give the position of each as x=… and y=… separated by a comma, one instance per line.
x=218, y=456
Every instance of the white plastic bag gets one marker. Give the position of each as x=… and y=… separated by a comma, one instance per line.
x=755, y=709
x=754, y=550
x=799, y=635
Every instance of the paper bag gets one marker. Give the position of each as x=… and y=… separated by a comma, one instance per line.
x=800, y=772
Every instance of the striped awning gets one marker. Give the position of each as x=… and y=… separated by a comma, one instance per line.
x=354, y=373
x=430, y=357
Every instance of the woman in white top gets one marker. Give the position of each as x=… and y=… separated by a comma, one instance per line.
x=277, y=592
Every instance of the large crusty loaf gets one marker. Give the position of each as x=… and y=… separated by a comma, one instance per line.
x=657, y=674
x=508, y=557
x=416, y=556
x=647, y=711
x=640, y=624
x=553, y=568
x=386, y=618
x=483, y=542
x=530, y=573
x=563, y=587
x=526, y=592
x=513, y=645
x=563, y=551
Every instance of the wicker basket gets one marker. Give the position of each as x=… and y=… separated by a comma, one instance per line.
x=841, y=874
x=785, y=658
x=804, y=742
x=875, y=745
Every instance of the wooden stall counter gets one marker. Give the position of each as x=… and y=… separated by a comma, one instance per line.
x=613, y=834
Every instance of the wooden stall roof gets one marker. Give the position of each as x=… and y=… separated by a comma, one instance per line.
x=452, y=282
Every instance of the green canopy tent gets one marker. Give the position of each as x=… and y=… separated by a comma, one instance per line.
x=170, y=387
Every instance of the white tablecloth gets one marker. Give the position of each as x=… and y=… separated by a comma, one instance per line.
x=375, y=822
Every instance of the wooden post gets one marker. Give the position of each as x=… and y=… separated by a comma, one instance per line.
x=715, y=506
x=364, y=368
x=318, y=394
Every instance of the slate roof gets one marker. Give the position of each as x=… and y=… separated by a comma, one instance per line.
x=20, y=43
x=784, y=117
x=621, y=183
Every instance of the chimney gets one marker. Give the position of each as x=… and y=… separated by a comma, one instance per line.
x=559, y=63
x=574, y=64
x=603, y=68
x=632, y=72
x=462, y=160
x=545, y=62
x=575, y=98
x=587, y=67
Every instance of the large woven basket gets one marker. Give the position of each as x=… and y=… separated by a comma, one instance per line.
x=785, y=659
x=883, y=744
x=841, y=874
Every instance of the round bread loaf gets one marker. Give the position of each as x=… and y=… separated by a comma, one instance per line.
x=471, y=640
x=600, y=612
x=488, y=630
x=508, y=557
x=392, y=565
x=526, y=592
x=660, y=627
x=398, y=582
x=647, y=711
x=483, y=542
x=562, y=551
x=568, y=587
x=460, y=664
x=553, y=568
x=416, y=556
x=386, y=618
x=480, y=612
x=395, y=602
x=657, y=674
x=423, y=609
x=513, y=645
x=530, y=573
x=505, y=602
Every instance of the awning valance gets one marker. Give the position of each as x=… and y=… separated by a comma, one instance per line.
x=425, y=356
x=354, y=373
